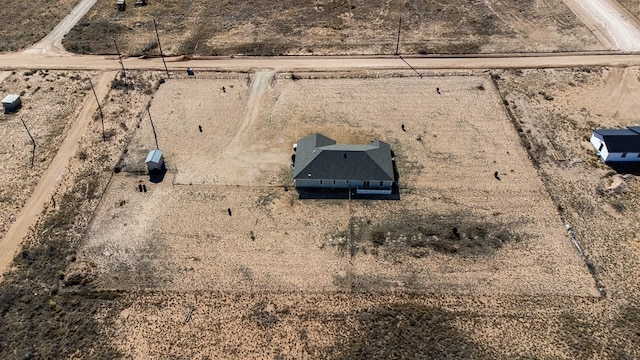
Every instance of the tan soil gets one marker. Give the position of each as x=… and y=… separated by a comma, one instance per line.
x=334, y=27
x=50, y=103
x=280, y=264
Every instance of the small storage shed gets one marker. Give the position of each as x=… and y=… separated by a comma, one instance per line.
x=11, y=103
x=155, y=161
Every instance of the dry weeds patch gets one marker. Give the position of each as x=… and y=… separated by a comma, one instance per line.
x=333, y=27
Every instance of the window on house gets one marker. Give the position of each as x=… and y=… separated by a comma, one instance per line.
x=601, y=146
x=320, y=182
x=623, y=155
x=365, y=184
x=381, y=183
x=334, y=182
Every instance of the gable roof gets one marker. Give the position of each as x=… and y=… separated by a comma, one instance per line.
x=621, y=140
x=154, y=156
x=319, y=157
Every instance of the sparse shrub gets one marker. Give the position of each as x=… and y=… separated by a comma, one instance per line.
x=378, y=238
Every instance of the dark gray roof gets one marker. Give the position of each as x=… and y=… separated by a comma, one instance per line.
x=621, y=140
x=319, y=156
x=634, y=128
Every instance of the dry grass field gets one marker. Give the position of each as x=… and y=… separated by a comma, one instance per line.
x=51, y=101
x=24, y=23
x=333, y=27
x=39, y=318
x=299, y=276
x=605, y=218
x=168, y=273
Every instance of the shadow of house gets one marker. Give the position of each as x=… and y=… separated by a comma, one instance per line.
x=324, y=169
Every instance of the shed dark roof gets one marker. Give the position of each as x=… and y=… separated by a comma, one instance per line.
x=621, y=140
x=318, y=157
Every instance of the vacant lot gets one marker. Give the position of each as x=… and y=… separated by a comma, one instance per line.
x=558, y=130
x=333, y=27
x=51, y=100
x=26, y=22
x=297, y=276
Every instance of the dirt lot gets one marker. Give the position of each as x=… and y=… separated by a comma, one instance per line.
x=51, y=101
x=31, y=303
x=333, y=27
x=606, y=220
x=168, y=273
x=26, y=22
x=279, y=264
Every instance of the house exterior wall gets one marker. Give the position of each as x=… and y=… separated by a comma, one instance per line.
x=341, y=184
x=617, y=157
x=600, y=146
x=605, y=155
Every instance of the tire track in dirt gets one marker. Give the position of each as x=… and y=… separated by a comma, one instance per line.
x=46, y=186
x=609, y=21
x=253, y=107
x=242, y=152
x=52, y=43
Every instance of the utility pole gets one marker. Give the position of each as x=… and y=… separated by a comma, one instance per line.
x=104, y=138
x=398, y=42
x=33, y=152
x=160, y=47
x=124, y=73
x=153, y=128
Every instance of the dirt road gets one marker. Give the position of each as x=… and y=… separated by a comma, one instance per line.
x=610, y=22
x=52, y=43
x=11, y=61
x=47, y=184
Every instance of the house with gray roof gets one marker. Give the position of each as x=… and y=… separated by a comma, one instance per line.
x=321, y=163
x=617, y=145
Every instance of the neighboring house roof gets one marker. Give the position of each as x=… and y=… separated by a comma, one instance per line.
x=621, y=140
x=154, y=156
x=318, y=157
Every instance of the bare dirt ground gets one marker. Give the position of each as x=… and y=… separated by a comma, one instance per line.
x=32, y=304
x=52, y=43
x=298, y=276
x=334, y=27
x=613, y=24
x=51, y=101
x=378, y=279
x=26, y=22
x=606, y=220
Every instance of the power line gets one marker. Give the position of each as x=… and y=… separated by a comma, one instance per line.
x=104, y=138
x=160, y=47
